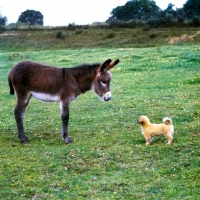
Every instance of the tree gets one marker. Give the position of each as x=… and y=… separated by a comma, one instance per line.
x=135, y=9
x=3, y=20
x=170, y=7
x=143, y=12
x=31, y=17
x=192, y=8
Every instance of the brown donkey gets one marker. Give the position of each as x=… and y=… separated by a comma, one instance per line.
x=53, y=84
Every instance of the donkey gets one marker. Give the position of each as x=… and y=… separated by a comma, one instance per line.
x=52, y=84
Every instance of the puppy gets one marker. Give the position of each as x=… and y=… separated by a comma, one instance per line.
x=150, y=130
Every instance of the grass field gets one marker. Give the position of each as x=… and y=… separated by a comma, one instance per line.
x=108, y=158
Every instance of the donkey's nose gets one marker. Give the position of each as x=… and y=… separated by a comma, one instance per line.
x=107, y=96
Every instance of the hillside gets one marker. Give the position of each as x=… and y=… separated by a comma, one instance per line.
x=20, y=40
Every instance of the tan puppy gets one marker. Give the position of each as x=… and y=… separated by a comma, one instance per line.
x=150, y=130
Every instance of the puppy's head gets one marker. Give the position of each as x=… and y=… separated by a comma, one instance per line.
x=143, y=120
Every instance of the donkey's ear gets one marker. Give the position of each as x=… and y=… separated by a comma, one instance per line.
x=105, y=65
x=112, y=64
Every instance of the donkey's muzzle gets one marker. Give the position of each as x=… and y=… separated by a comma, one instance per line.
x=107, y=99
x=107, y=96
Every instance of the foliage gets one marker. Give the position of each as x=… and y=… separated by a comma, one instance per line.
x=108, y=158
x=147, y=12
x=31, y=17
x=60, y=35
x=71, y=26
x=3, y=20
x=141, y=10
x=192, y=8
x=196, y=21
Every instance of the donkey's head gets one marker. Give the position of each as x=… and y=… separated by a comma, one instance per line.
x=102, y=83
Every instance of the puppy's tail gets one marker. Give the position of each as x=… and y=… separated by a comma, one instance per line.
x=167, y=121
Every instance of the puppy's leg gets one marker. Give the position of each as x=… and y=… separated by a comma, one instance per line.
x=148, y=140
x=169, y=138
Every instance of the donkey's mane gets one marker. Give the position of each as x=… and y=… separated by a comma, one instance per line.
x=86, y=66
x=84, y=69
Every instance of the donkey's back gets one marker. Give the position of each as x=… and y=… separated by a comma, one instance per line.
x=29, y=76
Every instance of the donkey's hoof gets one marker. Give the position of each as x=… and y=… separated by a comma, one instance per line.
x=67, y=140
x=24, y=140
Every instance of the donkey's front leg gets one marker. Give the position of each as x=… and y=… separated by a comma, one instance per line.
x=65, y=118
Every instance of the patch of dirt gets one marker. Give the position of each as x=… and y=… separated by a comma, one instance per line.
x=183, y=38
x=8, y=33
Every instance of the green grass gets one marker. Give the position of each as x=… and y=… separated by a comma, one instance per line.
x=108, y=158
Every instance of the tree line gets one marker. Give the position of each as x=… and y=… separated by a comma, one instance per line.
x=134, y=13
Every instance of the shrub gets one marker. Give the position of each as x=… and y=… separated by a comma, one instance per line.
x=110, y=35
x=153, y=35
x=180, y=20
x=146, y=28
x=2, y=29
x=153, y=22
x=169, y=20
x=60, y=35
x=78, y=32
x=71, y=27
x=196, y=21
x=132, y=23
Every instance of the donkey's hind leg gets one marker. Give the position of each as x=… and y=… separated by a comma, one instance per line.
x=65, y=119
x=19, y=116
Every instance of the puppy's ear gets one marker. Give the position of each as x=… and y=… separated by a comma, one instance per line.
x=139, y=121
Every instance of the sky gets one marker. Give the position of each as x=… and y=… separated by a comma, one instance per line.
x=63, y=12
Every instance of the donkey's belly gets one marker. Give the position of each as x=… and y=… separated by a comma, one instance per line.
x=46, y=97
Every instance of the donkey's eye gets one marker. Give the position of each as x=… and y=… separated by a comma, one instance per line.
x=103, y=83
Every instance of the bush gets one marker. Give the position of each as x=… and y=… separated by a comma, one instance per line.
x=110, y=35
x=78, y=32
x=180, y=20
x=169, y=20
x=196, y=21
x=132, y=23
x=71, y=27
x=153, y=22
x=153, y=35
x=2, y=29
x=60, y=35
x=146, y=28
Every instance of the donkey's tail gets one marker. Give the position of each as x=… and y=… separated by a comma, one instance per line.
x=167, y=121
x=11, y=86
